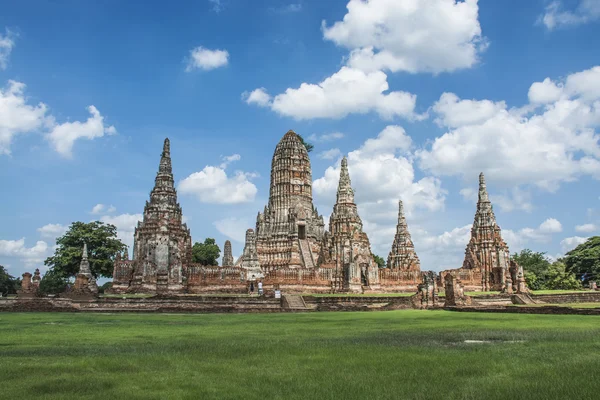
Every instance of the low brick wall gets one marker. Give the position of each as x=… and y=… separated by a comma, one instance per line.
x=584, y=297
x=357, y=303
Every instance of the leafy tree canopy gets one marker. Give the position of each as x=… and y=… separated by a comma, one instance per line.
x=584, y=260
x=541, y=274
x=102, y=244
x=206, y=253
x=8, y=283
x=309, y=147
x=380, y=261
x=53, y=282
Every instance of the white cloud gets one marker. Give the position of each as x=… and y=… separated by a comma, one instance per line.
x=568, y=244
x=259, y=96
x=63, y=136
x=229, y=159
x=52, y=231
x=454, y=112
x=411, y=35
x=217, y=6
x=7, y=43
x=586, y=228
x=206, y=59
x=125, y=224
x=327, y=137
x=541, y=144
x=234, y=228
x=554, y=17
x=111, y=209
x=331, y=154
x=97, y=209
x=551, y=225
x=16, y=116
x=289, y=8
x=381, y=171
x=348, y=91
x=28, y=255
x=213, y=185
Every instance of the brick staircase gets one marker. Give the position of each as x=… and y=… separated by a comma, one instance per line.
x=306, y=253
x=162, y=283
x=293, y=302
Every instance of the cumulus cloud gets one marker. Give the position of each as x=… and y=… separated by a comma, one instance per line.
x=214, y=185
x=206, y=59
x=7, y=43
x=229, y=159
x=234, y=228
x=52, y=231
x=348, y=91
x=97, y=209
x=586, y=228
x=17, y=116
x=259, y=97
x=326, y=137
x=382, y=172
x=555, y=17
x=413, y=36
x=549, y=141
x=287, y=9
x=28, y=255
x=125, y=224
x=217, y=6
x=331, y=154
x=568, y=244
x=63, y=136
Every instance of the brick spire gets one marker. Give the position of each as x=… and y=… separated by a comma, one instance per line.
x=164, y=186
x=84, y=265
x=345, y=194
x=403, y=255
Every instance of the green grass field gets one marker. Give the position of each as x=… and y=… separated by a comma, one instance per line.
x=346, y=355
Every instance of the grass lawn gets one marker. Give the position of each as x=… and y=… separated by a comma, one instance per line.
x=387, y=355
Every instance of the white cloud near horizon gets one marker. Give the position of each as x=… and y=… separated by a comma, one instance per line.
x=547, y=142
x=214, y=185
x=30, y=256
x=52, y=231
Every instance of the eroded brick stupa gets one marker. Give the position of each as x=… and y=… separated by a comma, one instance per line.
x=487, y=264
x=162, y=243
x=346, y=247
x=403, y=256
x=289, y=231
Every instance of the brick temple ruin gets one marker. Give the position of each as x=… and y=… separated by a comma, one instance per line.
x=487, y=265
x=289, y=248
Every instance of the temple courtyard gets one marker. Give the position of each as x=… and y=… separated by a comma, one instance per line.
x=409, y=354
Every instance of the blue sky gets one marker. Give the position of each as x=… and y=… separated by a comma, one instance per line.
x=421, y=96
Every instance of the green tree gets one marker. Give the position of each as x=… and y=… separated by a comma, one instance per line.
x=105, y=287
x=53, y=282
x=558, y=277
x=206, y=253
x=541, y=274
x=309, y=147
x=8, y=283
x=102, y=244
x=533, y=262
x=380, y=261
x=584, y=260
